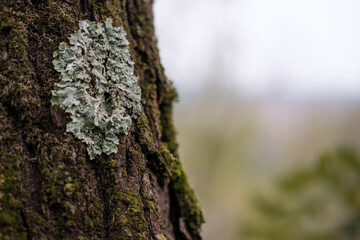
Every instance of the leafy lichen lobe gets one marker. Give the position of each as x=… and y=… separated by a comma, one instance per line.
x=98, y=86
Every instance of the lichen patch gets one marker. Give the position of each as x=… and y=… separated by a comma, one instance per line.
x=98, y=87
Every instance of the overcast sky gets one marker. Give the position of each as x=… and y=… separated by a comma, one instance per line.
x=297, y=48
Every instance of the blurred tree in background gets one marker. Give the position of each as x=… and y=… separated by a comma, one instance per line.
x=319, y=203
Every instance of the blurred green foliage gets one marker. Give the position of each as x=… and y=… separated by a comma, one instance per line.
x=318, y=203
x=235, y=148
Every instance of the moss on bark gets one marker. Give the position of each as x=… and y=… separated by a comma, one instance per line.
x=49, y=189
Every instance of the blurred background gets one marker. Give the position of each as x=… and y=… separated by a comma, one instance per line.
x=268, y=113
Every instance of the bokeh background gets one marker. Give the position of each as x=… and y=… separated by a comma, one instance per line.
x=268, y=113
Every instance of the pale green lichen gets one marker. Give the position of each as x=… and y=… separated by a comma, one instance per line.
x=98, y=87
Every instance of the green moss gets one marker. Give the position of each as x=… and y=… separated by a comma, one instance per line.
x=189, y=204
x=190, y=210
x=131, y=212
x=92, y=220
x=10, y=219
x=18, y=94
x=5, y=23
x=145, y=137
x=70, y=223
x=111, y=8
x=168, y=129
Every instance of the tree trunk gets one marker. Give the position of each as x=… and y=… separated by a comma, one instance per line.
x=49, y=188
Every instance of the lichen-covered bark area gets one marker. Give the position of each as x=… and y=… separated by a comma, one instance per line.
x=49, y=189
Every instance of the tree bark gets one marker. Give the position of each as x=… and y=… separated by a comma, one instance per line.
x=49, y=188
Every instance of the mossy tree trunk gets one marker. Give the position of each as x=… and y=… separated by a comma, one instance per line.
x=49, y=189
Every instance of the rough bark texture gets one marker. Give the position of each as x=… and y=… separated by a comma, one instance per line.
x=49, y=189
